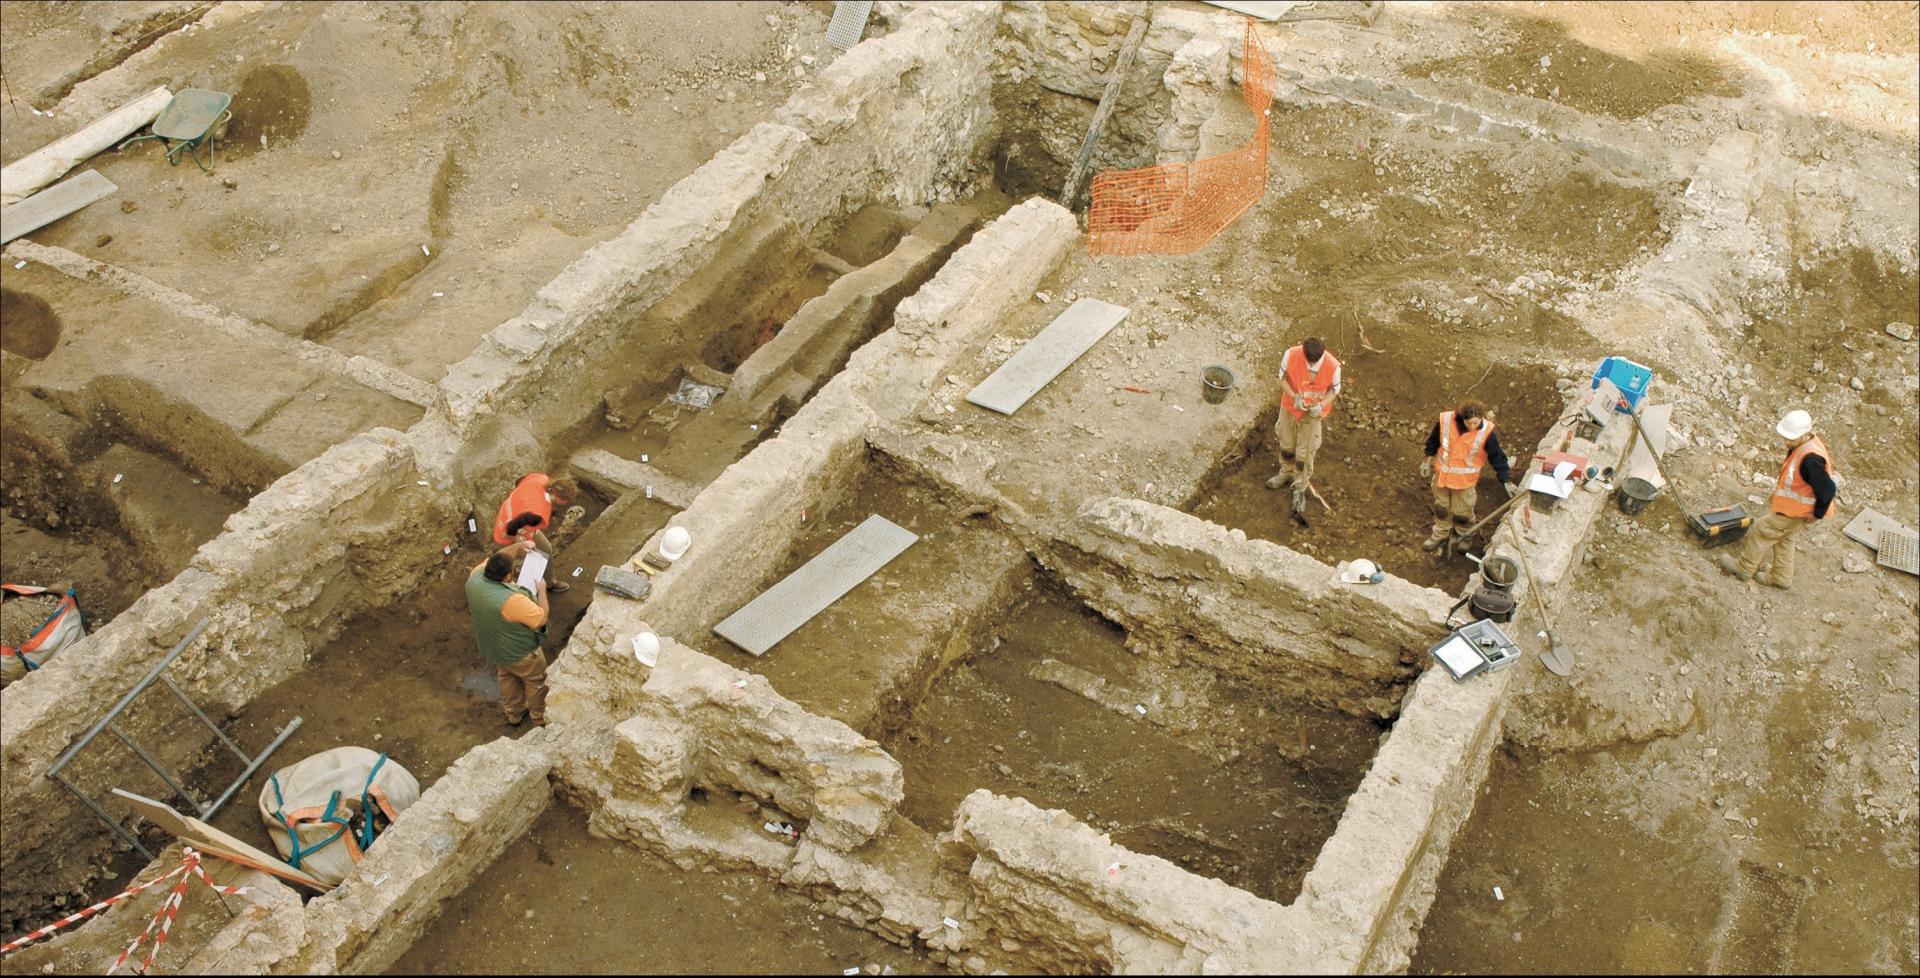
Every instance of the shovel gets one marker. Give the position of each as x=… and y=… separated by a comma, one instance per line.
x=1558, y=661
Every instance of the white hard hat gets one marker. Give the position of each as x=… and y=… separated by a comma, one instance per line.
x=1795, y=424
x=1358, y=572
x=674, y=543
x=646, y=648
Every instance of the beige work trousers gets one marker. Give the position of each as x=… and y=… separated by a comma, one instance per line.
x=1773, y=535
x=1453, y=510
x=523, y=687
x=1299, y=439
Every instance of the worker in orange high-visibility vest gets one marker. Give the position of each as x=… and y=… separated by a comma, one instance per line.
x=527, y=513
x=1309, y=384
x=1803, y=493
x=1461, y=444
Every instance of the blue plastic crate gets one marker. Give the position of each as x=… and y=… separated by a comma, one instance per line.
x=1631, y=378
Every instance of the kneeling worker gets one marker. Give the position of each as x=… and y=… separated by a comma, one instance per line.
x=509, y=624
x=1461, y=443
x=1803, y=493
x=527, y=513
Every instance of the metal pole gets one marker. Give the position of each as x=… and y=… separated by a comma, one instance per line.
x=87, y=738
x=178, y=789
x=195, y=707
x=255, y=765
x=112, y=822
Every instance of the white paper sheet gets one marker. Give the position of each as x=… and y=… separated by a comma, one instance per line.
x=1458, y=654
x=531, y=570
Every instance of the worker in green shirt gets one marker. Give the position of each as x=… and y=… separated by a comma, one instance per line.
x=509, y=622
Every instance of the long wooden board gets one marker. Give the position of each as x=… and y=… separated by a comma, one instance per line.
x=214, y=842
x=53, y=203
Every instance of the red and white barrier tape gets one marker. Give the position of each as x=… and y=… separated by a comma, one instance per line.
x=169, y=908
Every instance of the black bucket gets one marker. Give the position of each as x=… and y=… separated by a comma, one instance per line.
x=1216, y=381
x=1635, y=493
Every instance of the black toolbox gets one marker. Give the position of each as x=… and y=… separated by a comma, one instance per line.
x=1717, y=527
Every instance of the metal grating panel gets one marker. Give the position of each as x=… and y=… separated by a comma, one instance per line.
x=849, y=22
x=783, y=608
x=1034, y=366
x=1867, y=526
x=1900, y=550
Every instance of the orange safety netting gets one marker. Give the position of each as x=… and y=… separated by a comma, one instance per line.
x=1178, y=208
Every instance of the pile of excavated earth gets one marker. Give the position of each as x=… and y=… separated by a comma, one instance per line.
x=990, y=651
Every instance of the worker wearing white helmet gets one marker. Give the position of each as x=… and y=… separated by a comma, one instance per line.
x=1803, y=493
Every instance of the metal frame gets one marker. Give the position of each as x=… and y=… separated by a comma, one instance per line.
x=106, y=723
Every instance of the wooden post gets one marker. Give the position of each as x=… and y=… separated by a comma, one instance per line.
x=1077, y=176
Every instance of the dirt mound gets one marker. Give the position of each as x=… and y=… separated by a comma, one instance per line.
x=28, y=326
x=1536, y=58
x=272, y=106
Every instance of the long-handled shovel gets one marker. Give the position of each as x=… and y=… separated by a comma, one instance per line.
x=1558, y=661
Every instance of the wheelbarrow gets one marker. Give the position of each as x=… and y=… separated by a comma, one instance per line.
x=196, y=117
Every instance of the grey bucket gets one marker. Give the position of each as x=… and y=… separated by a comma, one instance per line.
x=1635, y=494
x=1215, y=382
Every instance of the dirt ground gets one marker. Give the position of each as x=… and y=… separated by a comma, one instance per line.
x=396, y=193
x=560, y=901
x=1729, y=781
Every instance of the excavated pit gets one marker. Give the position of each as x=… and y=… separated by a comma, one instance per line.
x=1053, y=708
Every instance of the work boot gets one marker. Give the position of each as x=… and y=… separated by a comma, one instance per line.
x=1434, y=541
x=1730, y=565
x=1767, y=579
x=1300, y=499
x=1280, y=480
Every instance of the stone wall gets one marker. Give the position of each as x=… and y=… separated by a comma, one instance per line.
x=747, y=520
x=1047, y=893
x=1271, y=618
x=1053, y=59
x=900, y=119
x=275, y=587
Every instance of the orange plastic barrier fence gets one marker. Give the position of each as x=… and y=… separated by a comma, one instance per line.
x=1178, y=208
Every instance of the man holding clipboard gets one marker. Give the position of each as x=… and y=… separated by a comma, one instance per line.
x=509, y=623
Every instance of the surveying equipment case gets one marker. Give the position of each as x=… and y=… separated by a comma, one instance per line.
x=1475, y=648
x=1718, y=527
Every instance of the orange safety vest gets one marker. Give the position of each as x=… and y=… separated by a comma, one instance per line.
x=1457, y=466
x=1792, y=496
x=1311, y=384
x=529, y=496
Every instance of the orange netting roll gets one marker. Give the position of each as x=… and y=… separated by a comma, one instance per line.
x=1178, y=208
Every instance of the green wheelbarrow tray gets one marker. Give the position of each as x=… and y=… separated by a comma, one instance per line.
x=193, y=119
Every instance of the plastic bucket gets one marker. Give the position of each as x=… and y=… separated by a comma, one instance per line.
x=1215, y=382
x=1635, y=493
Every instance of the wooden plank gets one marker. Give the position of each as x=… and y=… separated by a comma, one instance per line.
x=200, y=835
x=43, y=166
x=1257, y=9
x=1077, y=176
x=799, y=596
x=53, y=203
x=1034, y=366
